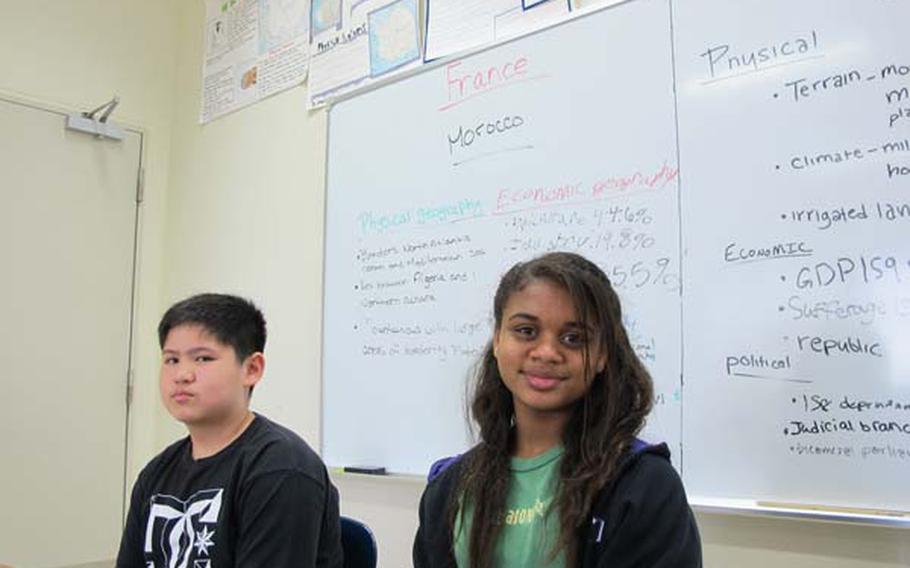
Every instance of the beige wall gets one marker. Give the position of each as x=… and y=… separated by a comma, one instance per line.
x=75, y=55
x=245, y=215
x=237, y=205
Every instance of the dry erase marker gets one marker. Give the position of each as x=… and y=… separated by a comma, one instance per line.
x=365, y=469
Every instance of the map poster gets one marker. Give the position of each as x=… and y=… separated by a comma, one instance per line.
x=357, y=42
x=253, y=49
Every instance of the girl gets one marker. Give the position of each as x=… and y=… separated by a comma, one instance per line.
x=558, y=478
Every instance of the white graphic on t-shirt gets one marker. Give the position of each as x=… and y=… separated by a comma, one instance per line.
x=179, y=519
x=204, y=541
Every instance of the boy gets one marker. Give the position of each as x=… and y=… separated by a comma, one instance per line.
x=240, y=490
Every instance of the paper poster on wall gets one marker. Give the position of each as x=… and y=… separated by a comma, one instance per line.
x=357, y=42
x=457, y=25
x=253, y=49
x=583, y=4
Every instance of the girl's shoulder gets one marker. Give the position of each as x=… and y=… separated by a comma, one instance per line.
x=442, y=465
x=643, y=518
x=639, y=449
x=442, y=479
x=644, y=461
x=445, y=470
x=645, y=474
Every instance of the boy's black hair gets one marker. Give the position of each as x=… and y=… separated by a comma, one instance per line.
x=234, y=321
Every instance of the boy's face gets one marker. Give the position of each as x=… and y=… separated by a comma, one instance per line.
x=202, y=382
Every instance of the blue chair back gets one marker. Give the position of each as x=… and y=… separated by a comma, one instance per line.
x=358, y=543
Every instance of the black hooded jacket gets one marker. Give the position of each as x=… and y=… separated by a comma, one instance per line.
x=642, y=520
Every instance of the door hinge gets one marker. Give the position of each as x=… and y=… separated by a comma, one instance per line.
x=140, y=186
x=129, y=388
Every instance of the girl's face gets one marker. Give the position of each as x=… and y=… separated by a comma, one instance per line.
x=539, y=348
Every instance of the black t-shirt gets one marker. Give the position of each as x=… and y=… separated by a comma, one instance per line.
x=265, y=500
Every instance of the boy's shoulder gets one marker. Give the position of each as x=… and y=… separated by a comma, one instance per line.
x=172, y=452
x=279, y=446
x=267, y=447
x=172, y=456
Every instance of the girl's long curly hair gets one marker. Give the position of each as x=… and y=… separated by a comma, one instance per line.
x=602, y=426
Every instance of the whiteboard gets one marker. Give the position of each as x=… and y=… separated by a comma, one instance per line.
x=794, y=350
x=612, y=135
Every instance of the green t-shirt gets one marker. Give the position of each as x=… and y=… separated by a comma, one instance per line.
x=531, y=527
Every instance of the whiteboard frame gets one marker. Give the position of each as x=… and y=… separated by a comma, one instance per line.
x=817, y=513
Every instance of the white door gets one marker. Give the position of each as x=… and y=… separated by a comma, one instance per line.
x=68, y=213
